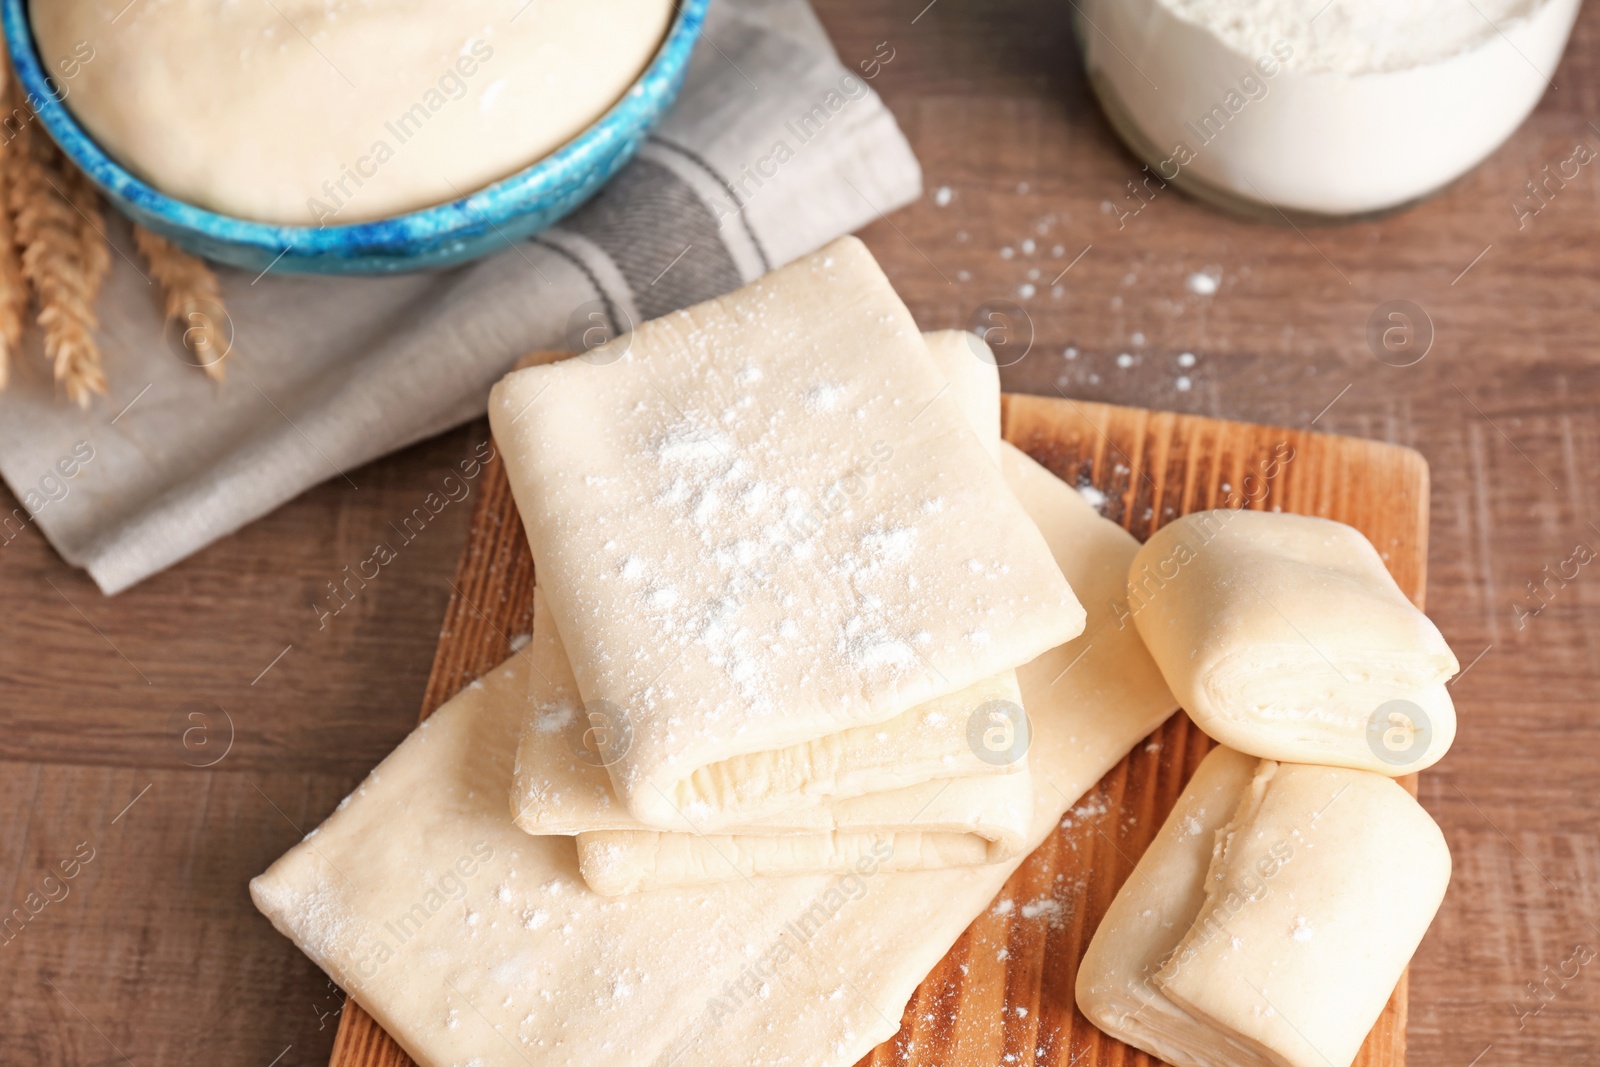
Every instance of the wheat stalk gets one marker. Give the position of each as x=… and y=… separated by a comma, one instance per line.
x=192, y=299
x=54, y=218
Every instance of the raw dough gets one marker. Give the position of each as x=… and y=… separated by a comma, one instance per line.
x=1284, y=636
x=561, y=787
x=517, y=956
x=762, y=522
x=323, y=111
x=1269, y=920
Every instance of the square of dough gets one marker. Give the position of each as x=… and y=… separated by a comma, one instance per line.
x=466, y=938
x=762, y=521
x=1268, y=923
x=1284, y=636
x=964, y=813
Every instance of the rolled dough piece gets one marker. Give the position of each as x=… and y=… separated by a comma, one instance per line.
x=1270, y=919
x=305, y=112
x=465, y=937
x=969, y=366
x=763, y=522
x=1285, y=637
x=560, y=786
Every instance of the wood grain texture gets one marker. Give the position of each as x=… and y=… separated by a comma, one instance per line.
x=1003, y=994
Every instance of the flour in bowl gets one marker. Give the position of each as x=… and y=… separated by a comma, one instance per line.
x=1327, y=107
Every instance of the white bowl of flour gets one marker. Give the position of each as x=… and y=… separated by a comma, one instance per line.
x=1330, y=108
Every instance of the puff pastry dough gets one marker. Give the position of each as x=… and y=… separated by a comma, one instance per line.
x=964, y=814
x=1269, y=920
x=727, y=504
x=517, y=958
x=1284, y=636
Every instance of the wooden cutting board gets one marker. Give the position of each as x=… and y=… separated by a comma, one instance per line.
x=1003, y=994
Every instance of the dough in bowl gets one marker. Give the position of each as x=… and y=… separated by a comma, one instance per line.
x=1270, y=919
x=313, y=112
x=1284, y=636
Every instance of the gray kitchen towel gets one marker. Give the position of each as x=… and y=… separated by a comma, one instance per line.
x=773, y=148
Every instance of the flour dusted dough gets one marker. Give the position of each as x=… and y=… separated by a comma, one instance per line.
x=762, y=521
x=1284, y=636
x=519, y=956
x=367, y=108
x=1270, y=919
x=559, y=787
x=964, y=814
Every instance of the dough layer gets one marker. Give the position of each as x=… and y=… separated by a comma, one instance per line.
x=966, y=362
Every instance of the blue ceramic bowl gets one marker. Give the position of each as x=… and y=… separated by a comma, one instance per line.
x=438, y=236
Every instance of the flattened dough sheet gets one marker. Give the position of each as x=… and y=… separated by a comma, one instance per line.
x=465, y=937
x=763, y=521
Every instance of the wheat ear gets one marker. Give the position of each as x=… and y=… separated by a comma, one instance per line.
x=63, y=256
x=193, y=299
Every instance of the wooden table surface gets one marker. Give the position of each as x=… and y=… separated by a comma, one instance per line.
x=151, y=953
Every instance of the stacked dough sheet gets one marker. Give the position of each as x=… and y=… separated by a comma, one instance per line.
x=782, y=590
x=810, y=674
x=1268, y=923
